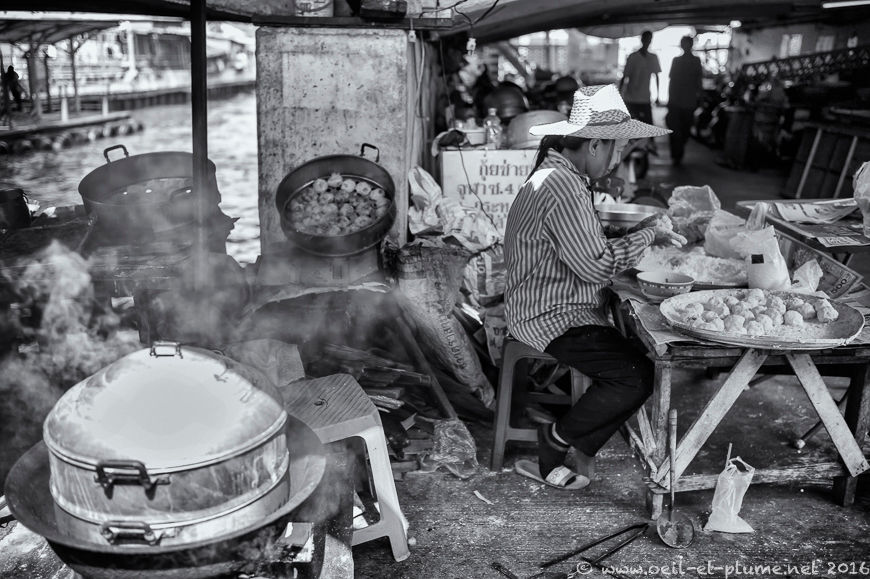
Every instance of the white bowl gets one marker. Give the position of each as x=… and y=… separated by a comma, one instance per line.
x=475, y=136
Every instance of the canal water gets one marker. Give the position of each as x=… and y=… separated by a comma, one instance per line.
x=52, y=178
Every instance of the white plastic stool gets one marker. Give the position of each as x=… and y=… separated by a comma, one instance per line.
x=336, y=408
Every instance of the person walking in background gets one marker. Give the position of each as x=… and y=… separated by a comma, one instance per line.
x=11, y=84
x=634, y=84
x=684, y=92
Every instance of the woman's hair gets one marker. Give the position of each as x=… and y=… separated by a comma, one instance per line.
x=558, y=143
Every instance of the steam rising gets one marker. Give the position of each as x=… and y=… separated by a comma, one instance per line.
x=65, y=338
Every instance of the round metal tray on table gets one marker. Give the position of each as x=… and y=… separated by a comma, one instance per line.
x=625, y=214
x=812, y=336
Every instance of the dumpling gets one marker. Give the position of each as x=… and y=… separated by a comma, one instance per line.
x=793, y=303
x=335, y=180
x=731, y=301
x=826, y=312
x=765, y=321
x=775, y=316
x=378, y=194
x=776, y=303
x=753, y=328
x=793, y=318
x=716, y=325
x=721, y=310
x=734, y=324
x=740, y=309
x=713, y=302
x=693, y=310
x=807, y=311
x=326, y=198
x=755, y=296
x=709, y=316
x=758, y=310
x=320, y=185
x=348, y=185
x=363, y=188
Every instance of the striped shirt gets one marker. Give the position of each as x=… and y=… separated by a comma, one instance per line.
x=558, y=259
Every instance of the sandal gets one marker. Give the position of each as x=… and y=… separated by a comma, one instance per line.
x=560, y=477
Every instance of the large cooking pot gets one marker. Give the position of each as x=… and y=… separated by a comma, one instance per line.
x=518, y=129
x=144, y=194
x=14, y=213
x=167, y=446
x=350, y=166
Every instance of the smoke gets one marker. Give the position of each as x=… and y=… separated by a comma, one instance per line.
x=61, y=336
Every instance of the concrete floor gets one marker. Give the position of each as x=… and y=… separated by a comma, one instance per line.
x=458, y=535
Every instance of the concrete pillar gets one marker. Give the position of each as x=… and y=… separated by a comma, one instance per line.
x=105, y=103
x=327, y=91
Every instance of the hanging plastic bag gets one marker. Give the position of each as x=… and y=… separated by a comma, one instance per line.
x=722, y=228
x=731, y=486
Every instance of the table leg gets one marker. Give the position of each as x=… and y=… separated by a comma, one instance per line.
x=826, y=408
x=858, y=420
x=713, y=413
x=661, y=405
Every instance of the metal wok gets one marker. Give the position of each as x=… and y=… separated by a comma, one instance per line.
x=351, y=166
x=144, y=194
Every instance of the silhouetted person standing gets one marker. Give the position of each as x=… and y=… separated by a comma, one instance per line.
x=11, y=84
x=639, y=67
x=684, y=92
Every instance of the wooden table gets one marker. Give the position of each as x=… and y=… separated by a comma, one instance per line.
x=651, y=441
x=809, y=233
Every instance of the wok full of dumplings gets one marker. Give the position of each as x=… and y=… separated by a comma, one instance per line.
x=336, y=206
x=756, y=313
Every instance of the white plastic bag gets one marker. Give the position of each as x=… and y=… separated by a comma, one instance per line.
x=765, y=265
x=723, y=226
x=731, y=486
x=861, y=185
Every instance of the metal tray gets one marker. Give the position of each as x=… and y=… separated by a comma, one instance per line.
x=814, y=336
x=625, y=214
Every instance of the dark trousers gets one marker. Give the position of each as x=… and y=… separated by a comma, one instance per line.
x=622, y=379
x=640, y=112
x=680, y=121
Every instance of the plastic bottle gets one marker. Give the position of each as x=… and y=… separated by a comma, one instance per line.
x=492, y=125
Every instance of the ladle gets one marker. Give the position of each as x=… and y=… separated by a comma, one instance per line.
x=674, y=527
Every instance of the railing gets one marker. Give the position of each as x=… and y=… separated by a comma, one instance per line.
x=809, y=65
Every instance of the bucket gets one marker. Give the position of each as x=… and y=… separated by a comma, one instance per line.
x=314, y=8
x=14, y=213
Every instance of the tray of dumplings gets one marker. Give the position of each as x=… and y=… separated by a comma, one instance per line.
x=763, y=319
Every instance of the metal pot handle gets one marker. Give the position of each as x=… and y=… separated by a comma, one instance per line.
x=112, y=148
x=127, y=472
x=116, y=532
x=362, y=151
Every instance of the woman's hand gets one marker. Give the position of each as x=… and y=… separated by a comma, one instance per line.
x=657, y=220
x=667, y=236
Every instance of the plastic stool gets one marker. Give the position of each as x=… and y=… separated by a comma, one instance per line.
x=512, y=352
x=336, y=408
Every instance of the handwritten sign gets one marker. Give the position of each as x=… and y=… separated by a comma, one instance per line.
x=489, y=179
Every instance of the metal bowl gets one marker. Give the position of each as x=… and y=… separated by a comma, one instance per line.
x=625, y=214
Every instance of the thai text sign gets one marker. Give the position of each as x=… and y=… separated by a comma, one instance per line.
x=489, y=179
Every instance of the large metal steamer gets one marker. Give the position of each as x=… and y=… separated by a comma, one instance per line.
x=350, y=166
x=170, y=462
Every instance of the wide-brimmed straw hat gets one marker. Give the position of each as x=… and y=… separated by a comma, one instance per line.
x=599, y=113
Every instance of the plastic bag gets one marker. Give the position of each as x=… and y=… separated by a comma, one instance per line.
x=861, y=185
x=805, y=279
x=688, y=201
x=731, y=486
x=766, y=267
x=485, y=276
x=454, y=449
x=722, y=228
x=425, y=198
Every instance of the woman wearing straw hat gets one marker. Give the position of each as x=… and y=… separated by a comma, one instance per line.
x=558, y=263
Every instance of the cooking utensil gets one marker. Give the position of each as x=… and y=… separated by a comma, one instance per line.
x=144, y=194
x=30, y=500
x=352, y=167
x=674, y=527
x=638, y=530
x=625, y=214
x=167, y=446
x=812, y=336
x=660, y=285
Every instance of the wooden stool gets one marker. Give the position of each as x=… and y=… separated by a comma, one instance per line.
x=336, y=408
x=512, y=352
